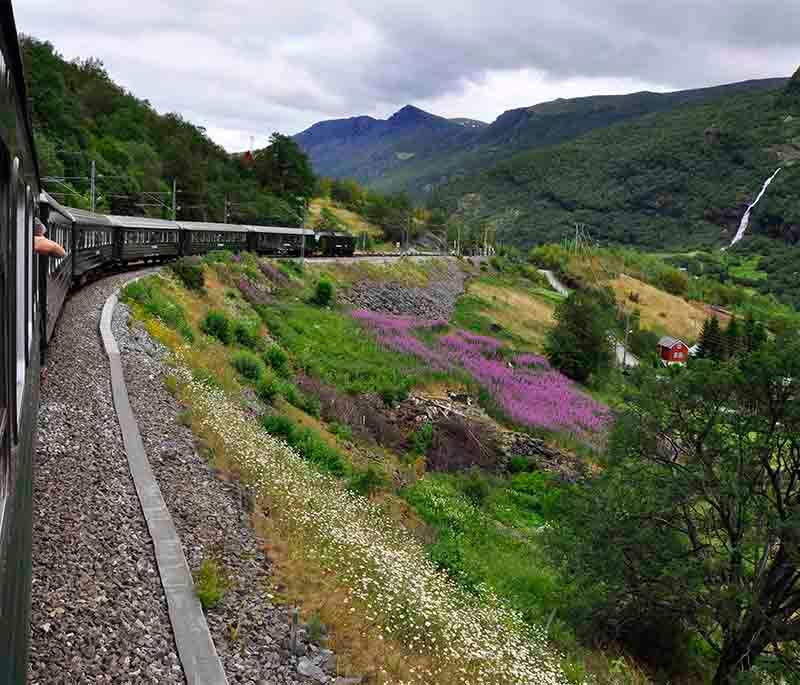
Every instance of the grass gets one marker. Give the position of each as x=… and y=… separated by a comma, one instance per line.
x=331, y=346
x=154, y=303
x=210, y=583
x=660, y=311
x=486, y=534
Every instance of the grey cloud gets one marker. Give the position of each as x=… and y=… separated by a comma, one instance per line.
x=283, y=64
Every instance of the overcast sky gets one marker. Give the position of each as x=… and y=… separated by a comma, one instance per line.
x=243, y=68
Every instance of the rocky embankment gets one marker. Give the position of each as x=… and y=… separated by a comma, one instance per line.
x=436, y=300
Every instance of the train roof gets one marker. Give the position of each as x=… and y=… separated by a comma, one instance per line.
x=46, y=198
x=142, y=222
x=212, y=227
x=83, y=216
x=282, y=230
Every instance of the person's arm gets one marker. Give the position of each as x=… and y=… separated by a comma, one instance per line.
x=47, y=247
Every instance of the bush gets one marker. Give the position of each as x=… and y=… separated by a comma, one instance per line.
x=422, y=439
x=310, y=405
x=246, y=334
x=249, y=366
x=279, y=426
x=218, y=326
x=190, y=272
x=475, y=487
x=341, y=431
x=277, y=359
x=368, y=481
x=308, y=443
x=267, y=390
x=323, y=295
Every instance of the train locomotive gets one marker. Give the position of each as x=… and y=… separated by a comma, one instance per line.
x=32, y=294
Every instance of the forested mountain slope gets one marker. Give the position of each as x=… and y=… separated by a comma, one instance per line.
x=81, y=115
x=668, y=181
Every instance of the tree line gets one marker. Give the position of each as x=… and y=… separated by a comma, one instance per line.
x=81, y=116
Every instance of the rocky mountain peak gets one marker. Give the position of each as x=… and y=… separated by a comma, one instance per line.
x=411, y=114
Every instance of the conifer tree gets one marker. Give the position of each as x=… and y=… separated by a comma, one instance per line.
x=733, y=339
x=754, y=335
x=711, y=341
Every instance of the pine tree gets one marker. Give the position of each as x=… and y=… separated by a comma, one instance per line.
x=733, y=339
x=754, y=335
x=711, y=341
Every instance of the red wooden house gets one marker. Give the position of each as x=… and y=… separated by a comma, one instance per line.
x=672, y=351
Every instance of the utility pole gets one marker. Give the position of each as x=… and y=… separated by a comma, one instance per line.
x=174, y=198
x=225, y=219
x=93, y=190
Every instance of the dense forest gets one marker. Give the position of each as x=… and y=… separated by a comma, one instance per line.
x=81, y=116
x=672, y=181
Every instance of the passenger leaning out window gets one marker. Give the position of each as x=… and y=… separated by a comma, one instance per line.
x=42, y=245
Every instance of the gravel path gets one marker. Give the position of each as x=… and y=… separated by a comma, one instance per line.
x=99, y=614
x=251, y=634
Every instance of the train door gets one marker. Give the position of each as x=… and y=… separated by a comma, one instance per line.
x=6, y=328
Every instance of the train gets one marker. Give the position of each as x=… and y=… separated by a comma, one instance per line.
x=32, y=294
x=95, y=243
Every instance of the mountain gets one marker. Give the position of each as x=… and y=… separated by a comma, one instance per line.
x=365, y=148
x=545, y=124
x=673, y=180
x=415, y=151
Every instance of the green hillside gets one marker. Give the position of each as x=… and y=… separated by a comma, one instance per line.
x=548, y=123
x=670, y=181
x=80, y=115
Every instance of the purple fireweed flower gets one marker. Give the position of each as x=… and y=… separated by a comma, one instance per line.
x=531, y=360
x=529, y=391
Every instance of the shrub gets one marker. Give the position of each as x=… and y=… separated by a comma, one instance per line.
x=323, y=294
x=475, y=487
x=246, y=334
x=310, y=405
x=280, y=426
x=422, y=439
x=210, y=583
x=190, y=272
x=289, y=392
x=267, y=390
x=341, y=431
x=367, y=481
x=249, y=366
x=218, y=326
x=277, y=359
x=308, y=443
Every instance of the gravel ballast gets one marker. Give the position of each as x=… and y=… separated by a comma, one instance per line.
x=251, y=634
x=98, y=610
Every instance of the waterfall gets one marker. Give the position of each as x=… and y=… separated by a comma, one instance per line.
x=746, y=218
